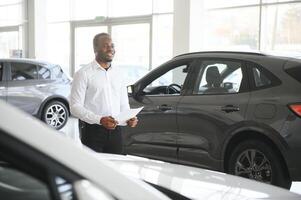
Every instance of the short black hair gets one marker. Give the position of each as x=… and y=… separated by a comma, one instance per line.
x=95, y=39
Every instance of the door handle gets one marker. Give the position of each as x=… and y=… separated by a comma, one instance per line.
x=2, y=88
x=41, y=85
x=230, y=108
x=164, y=107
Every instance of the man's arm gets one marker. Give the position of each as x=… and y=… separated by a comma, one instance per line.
x=77, y=99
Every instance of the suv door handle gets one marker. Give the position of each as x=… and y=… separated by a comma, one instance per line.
x=2, y=88
x=229, y=108
x=164, y=107
x=41, y=85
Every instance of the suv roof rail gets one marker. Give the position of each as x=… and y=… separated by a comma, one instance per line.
x=237, y=52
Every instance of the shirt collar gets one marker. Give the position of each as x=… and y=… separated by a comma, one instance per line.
x=96, y=65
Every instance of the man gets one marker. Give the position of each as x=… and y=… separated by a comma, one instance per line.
x=97, y=95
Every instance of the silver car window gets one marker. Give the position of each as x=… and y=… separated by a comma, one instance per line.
x=23, y=71
x=44, y=73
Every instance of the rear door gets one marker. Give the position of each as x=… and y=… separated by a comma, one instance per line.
x=3, y=86
x=23, y=87
x=215, y=104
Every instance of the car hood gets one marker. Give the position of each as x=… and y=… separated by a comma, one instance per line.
x=196, y=183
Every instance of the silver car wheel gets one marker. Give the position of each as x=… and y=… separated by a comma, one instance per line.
x=253, y=164
x=55, y=116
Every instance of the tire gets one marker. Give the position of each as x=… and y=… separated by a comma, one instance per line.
x=256, y=160
x=55, y=114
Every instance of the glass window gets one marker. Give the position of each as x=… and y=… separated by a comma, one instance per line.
x=11, y=13
x=224, y=29
x=132, y=49
x=23, y=71
x=219, y=77
x=119, y=8
x=10, y=44
x=209, y=4
x=16, y=184
x=58, y=10
x=58, y=44
x=260, y=79
x=162, y=39
x=276, y=1
x=164, y=6
x=84, y=52
x=44, y=73
x=281, y=27
x=170, y=83
x=89, y=9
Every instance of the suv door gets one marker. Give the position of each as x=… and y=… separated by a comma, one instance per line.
x=3, y=86
x=159, y=93
x=215, y=104
x=23, y=87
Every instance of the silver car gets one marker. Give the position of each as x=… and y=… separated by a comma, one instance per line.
x=39, y=88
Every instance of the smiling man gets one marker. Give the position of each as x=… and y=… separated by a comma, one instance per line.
x=97, y=95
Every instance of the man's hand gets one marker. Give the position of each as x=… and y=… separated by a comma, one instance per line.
x=108, y=122
x=132, y=122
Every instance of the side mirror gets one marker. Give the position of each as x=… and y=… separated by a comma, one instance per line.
x=85, y=190
x=130, y=90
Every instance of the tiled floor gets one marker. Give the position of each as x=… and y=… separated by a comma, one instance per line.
x=71, y=130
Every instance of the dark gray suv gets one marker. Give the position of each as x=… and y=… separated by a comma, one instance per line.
x=234, y=112
x=39, y=88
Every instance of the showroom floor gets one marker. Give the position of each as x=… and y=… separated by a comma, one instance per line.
x=71, y=130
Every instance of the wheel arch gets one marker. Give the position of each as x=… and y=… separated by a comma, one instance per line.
x=278, y=145
x=53, y=98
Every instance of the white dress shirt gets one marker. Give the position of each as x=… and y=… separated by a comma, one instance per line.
x=97, y=93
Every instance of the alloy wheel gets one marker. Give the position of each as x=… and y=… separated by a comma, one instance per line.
x=253, y=164
x=55, y=115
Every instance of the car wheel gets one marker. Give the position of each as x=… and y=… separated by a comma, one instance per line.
x=256, y=160
x=55, y=114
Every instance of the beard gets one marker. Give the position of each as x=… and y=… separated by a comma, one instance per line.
x=104, y=57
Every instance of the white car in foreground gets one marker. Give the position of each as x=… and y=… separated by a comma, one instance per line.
x=37, y=163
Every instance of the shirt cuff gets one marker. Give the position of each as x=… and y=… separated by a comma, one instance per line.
x=97, y=119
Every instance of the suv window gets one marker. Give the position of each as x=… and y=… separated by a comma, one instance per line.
x=170, y=83
x=23, y=71
x=260, y=79
x=219, y=77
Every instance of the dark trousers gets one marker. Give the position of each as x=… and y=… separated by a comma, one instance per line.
x=100, y=139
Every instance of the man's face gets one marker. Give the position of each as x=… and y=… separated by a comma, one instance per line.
x=105, y=49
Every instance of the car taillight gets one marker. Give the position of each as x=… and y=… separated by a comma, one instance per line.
x=296, y=108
